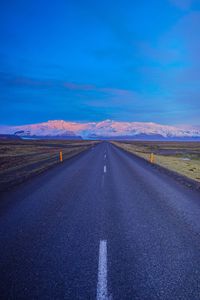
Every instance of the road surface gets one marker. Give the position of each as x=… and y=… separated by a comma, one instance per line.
x=103, y=225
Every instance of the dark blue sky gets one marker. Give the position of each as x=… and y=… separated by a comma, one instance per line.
x=93, y=60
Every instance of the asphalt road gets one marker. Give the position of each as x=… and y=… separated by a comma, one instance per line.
x=103, y=225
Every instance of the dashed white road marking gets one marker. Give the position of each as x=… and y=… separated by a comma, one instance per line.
x=102, y=289
x=104, y=155
x=104, y=169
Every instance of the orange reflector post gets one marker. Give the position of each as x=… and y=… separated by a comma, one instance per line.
x=152, y=158
x=61, y=156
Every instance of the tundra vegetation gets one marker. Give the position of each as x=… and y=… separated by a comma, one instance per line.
x=181, y=157
x=22, y=159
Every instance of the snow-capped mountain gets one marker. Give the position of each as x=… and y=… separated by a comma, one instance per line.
x=104, y=129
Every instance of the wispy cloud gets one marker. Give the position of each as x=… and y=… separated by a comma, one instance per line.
x=78, y=87
x=9, y=79
x=182, y=4
x=17, y=81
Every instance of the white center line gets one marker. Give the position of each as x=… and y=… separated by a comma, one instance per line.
x=104, y=169
x=102, y=290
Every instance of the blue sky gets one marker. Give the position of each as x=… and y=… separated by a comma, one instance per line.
x=94, y=60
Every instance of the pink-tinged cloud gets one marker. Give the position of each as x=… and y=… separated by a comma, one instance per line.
x=79, y=87
x=90, y=87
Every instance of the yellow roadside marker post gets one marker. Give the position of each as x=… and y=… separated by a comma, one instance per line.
x=152, y=159
x=61, y=156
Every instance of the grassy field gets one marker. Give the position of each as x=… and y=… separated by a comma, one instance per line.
x=20, y=160
x=181, y=157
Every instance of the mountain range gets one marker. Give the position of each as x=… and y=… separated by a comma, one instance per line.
x=107, y=129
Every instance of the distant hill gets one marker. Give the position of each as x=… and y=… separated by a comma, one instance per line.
x=107, y=129
x=9, y=137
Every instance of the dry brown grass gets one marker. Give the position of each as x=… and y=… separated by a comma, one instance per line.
x=22, y=159
x=181, y=157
